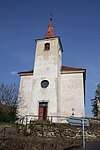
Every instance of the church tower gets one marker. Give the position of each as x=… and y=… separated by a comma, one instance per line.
x=46, y=78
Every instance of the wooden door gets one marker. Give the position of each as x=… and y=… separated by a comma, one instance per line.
x=42, y=113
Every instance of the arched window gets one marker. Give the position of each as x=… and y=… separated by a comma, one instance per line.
x=47, y=46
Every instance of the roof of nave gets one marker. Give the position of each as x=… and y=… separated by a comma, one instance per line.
x=63, y=69
x=29, y=72
x=67, y=68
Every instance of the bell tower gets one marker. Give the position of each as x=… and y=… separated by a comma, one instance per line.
x=46, y=78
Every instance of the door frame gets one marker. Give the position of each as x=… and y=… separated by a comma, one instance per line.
x=42, y=110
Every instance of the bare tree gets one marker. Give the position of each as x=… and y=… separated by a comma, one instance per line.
x=9, y=94
x=8, y=101
x=22, y=106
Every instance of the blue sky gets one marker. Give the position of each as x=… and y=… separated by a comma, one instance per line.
x=77, y=22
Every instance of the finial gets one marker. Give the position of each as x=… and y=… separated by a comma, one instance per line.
x=51, y=16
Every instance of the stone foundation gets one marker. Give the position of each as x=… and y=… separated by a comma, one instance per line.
x=58, y=130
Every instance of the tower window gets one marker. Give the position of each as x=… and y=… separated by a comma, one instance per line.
x=47, y=46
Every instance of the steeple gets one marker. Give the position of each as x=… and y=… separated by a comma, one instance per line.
x=50, y=32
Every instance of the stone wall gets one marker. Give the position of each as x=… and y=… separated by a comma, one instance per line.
x=57, y=130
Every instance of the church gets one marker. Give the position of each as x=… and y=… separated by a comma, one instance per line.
x=51, y=89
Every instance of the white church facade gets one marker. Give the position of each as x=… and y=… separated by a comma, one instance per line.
x=51, y=89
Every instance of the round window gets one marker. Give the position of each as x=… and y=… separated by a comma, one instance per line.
x=44, y=83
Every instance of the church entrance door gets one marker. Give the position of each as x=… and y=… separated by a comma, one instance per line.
x=42, y=113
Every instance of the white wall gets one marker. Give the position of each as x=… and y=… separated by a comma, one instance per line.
x=72, y=94
x=24, y=95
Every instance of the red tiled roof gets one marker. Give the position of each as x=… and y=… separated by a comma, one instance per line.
x=3, y=106
x=6, y=107
x=67, y=68
x=63, y=68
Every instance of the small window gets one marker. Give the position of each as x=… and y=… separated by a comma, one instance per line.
x=44, y=83
x=47, y=46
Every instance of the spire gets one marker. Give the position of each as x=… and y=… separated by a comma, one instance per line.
x=50, y=32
